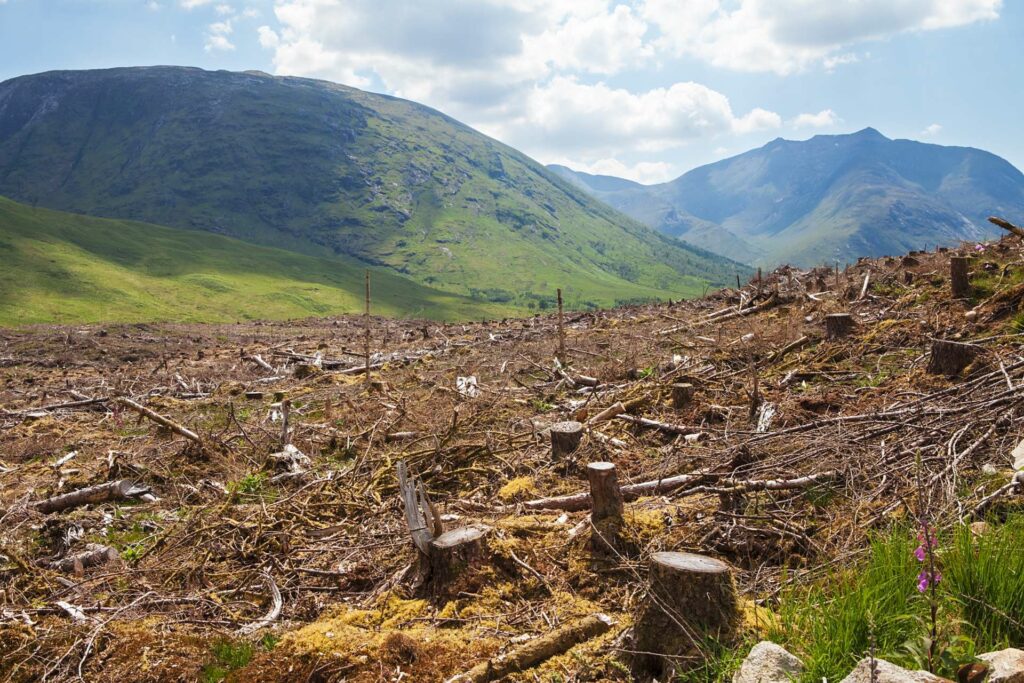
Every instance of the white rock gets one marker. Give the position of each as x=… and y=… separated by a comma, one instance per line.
x=1018, y=456
x=1005, y=666
x=889, y=673
x=769, y=663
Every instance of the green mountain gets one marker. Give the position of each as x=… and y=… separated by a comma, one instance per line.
x=66, y=268
x=328, y=170
x=833, y=197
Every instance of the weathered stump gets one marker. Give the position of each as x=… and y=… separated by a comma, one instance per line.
x=838, y=325
x=690, y=598
x=606, y=506
x=565, y=437
x=959, y=283
x=682, y=394
x=452, y=558
x=950, y=357
x=909, y=262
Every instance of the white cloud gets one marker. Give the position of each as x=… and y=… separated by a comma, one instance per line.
x=217, y=37
x=250, y=13
x=224, y=10
x=645, y=172
x=932, y=130
x=268, y=37
x=823, y=119
x=192, y=4
x=152, y=5
x=790, y=35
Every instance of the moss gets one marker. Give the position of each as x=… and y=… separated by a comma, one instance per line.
x=517, y=488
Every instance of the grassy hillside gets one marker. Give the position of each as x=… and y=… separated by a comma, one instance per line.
x=833, y=197
x=329, y=170
x=67, y=268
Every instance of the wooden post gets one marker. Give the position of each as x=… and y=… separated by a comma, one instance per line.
x=958, y=280
x=565, y=437
x=561, y=330
x=606, y=506
x=838, y=325
x=950, y=357
x=286, y=409
x=366, y=325
x=682, y=394
x=690, y=597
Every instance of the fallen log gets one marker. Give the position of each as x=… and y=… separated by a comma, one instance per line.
x=581, y=501
x=1006, y=225
x=159, y=419
x=660, y=426
x=122, y=489
x=94, y=556
x=538, y=650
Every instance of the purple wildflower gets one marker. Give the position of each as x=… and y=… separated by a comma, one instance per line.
x=919, y=553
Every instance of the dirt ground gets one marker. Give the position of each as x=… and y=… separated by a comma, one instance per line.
x=246, y=560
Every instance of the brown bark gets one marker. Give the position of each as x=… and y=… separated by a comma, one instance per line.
x=949, y=357
x=565, y=438
x=606, y=506
x=960, y=285
x=838, y=325
x=451, y=558
x=690, y=598
x=682, y=394
x=94, y=556
x=121, y=489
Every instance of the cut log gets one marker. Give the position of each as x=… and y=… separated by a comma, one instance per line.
x=122, y=489
x=452, y=557
x=93, y=556
x=565, y=437
x=959, y=283
x=838, y=325
x=537, y=650
x=1006, y=225
x=608, y=413
x=606, y=506
x=682, y=394
x=949, y=357
x=690, y=598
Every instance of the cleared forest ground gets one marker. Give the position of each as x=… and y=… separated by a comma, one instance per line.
x=238, y=562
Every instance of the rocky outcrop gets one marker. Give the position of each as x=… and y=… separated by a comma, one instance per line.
x=769, y=663
x=889, y=673
x=1005, y=666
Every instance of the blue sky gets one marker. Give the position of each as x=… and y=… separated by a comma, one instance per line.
x=645, y=89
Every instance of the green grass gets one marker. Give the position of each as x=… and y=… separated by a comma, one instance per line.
x=66, y=268
x=981, y=602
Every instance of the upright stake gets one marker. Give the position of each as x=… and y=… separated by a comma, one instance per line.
x=286, y=406
x=959, y=282
x=561, y=330
x=366, y=332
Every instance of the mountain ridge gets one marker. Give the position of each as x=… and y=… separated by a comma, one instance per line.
x=325, y=169
x=830, y=197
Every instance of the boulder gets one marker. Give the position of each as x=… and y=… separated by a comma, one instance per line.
x=1005, y=666
x=889, y=673
x=769, y=663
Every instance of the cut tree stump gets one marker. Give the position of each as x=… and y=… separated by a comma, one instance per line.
x=960, y=284
x=838, y=325
x=690, y=598
x=452, y=557
x=565, y=437
x=682, y=394
x=949, y=357
x=606, y=506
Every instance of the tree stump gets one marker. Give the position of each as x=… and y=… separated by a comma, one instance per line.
x=451, y=559
x=565, y=437
x=949, y=357
x=838, y=325
x=682, y=394
x=606, y=506
x=958, y=280
x=690, y=597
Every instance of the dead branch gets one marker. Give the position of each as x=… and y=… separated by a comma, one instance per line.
x=159, y=419
x=121, y=489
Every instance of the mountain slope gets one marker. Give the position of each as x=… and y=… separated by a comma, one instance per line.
x=61, y=267
x=325, y=169
x=833, y=197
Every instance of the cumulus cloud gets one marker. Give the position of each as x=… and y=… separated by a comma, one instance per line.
x=931, y=130
x=192, y=4
x=224, y=10
x=217, y=37
x=823, y=119
x=644, y=172
x=789, y=35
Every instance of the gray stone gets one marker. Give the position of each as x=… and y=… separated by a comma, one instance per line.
x=769, y=663
x=889, y=673
x=1005, y=666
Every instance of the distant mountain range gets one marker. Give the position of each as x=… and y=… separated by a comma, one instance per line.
x=331, y=171
x=830, y=198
